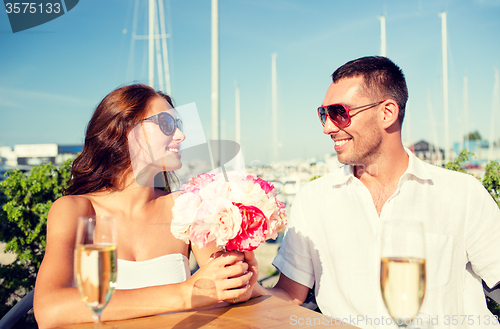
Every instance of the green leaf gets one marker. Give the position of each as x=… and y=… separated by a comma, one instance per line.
x=491, y=180
x=456, y=164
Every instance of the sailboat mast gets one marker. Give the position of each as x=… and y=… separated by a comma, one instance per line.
x=383, y=43
x=239, y=164
x=444, y=39
x=466, y=112
x=237, y=112
x=275, y=107
x=151, y=59
x=408, y=121
x=437, y=153
x=155, y=35
x=215, y=76
x=164, y=37
x=494, y=109
x=159, y=60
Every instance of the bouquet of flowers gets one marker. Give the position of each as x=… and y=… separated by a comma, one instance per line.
x=238, y=214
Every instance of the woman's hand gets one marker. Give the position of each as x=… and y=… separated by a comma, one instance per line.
x=253, y=267
x=224, y=277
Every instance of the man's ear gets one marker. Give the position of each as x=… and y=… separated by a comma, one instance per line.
x=390, y=113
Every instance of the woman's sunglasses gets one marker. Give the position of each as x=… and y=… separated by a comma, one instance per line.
x=339, y=114
x=166, y=122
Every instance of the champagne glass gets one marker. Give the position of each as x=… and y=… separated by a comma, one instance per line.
x=402, y=269
x=95, y=262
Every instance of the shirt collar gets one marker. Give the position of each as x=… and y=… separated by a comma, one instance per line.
x=342, y=175
x=416, y=167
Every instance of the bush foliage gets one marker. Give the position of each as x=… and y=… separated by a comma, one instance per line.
x=26, y=200
x=491, y=178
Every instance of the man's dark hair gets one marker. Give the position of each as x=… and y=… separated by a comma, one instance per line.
x=383, y=79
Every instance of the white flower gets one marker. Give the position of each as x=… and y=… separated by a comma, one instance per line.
x=215, y=189
x=183, y=215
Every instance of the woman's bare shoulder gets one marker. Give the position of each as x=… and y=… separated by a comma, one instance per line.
x=71, y=206
x=79, y=201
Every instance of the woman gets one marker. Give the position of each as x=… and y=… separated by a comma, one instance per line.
x=133, y=134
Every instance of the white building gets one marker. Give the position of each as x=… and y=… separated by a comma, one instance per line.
x=27, y=155
x=8, y=156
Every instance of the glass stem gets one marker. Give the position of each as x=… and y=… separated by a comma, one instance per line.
x=97, y=320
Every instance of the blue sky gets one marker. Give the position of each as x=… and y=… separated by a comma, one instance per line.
x=52, y=76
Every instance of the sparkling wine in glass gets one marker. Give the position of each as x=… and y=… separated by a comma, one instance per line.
x=95, y=262
x=402, y=269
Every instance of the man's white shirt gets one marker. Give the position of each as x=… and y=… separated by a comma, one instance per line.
x=333, y=243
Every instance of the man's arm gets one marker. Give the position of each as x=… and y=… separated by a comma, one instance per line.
x=286, y=289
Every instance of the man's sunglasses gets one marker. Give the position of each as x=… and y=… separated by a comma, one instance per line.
x=339, y=114
x=166, y=122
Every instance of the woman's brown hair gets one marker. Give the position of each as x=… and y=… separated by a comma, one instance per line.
x=105, y=156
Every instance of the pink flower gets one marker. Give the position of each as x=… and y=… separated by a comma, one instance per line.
x=202, y=180
x=198, y=182
x=281, y=208
x=265, y=185
x=202, y=234
x=217, y=220
x=275, y=224
x=188, y=188
x=252, y=231
x=229, y=223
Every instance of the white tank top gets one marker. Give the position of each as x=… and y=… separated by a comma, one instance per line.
x=167, y=269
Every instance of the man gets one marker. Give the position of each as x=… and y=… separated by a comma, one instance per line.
x=333, y=235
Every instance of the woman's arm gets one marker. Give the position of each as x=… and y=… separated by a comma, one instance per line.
x=57, y=302
x=53, y=289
